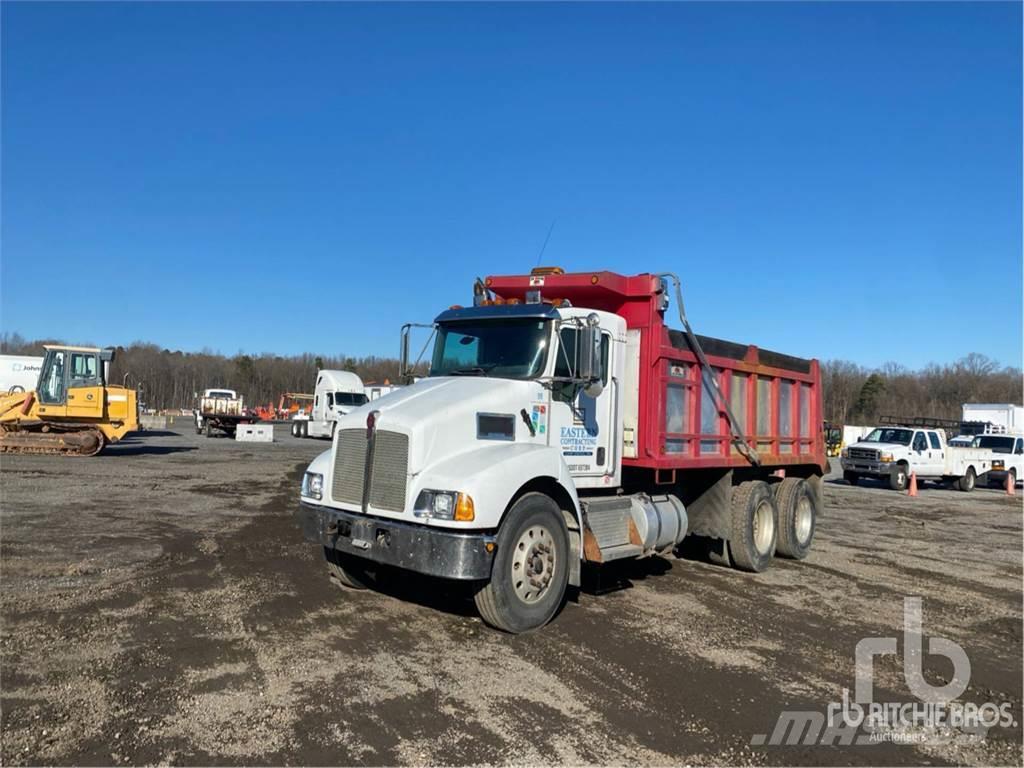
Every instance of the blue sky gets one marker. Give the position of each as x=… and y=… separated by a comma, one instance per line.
x=830, y=180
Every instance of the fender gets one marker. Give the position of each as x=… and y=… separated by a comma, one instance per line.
x=492, y=474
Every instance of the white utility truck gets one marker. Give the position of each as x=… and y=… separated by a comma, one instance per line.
x=893, y=453
x=336, y=394
x=220, y=410
x=563, y=422
x=19, y=373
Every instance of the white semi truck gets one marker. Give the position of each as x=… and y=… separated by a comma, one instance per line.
x=336, y=394
x=562, y=423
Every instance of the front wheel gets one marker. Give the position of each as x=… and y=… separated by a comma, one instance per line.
x=209, y=428
x=851, y=477
x=530, y=570
x=345, y=570
x=899, y=478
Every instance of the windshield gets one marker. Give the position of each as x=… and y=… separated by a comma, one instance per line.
x=901, y=436
x=997, y=444
x=351, y=399
x=507, y=349
x=221, y=393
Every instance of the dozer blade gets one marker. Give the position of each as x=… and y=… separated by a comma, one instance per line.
x=80, y=442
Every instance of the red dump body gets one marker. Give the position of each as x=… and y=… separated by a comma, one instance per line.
x=775, y=398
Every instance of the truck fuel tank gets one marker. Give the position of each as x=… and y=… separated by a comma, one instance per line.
x=660, y=520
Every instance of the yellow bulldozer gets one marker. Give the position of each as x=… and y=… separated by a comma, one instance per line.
x=73, y=410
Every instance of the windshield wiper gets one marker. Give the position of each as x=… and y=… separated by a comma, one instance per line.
x=468, y=371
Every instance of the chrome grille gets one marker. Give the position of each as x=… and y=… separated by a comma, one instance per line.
x=864, y=453
x=390, y=470
x=349, y=466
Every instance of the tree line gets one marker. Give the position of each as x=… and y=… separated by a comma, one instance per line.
x=853, y=394
x=171, y=379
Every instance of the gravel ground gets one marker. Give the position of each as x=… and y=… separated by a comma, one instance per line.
x=160, y=606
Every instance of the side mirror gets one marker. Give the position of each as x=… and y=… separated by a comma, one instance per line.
x=403, y=358
x=591, y=364
x=406, y=370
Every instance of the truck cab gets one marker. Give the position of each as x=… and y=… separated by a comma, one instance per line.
x=336, y=394
x=1007, y=459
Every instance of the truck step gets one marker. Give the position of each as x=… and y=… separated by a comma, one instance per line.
x=608, y=519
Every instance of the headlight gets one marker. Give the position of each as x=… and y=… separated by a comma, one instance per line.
x=885, y=458
x=313, y=485
x=845, y=453
x=444, y=505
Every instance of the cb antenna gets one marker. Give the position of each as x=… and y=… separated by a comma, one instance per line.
x=543, y=247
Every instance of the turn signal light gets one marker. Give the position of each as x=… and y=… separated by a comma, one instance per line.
x=464, y=511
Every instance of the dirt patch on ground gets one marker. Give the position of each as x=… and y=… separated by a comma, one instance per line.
x=160, y=606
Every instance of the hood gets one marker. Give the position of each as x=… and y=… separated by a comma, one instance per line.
x=879, y=446
x=439, y=414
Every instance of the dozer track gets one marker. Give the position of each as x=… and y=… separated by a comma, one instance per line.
x=51, y=440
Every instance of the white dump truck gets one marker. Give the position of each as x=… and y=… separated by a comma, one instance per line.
x=563, y=422
x=19, y=373
x=893, y=453
x=336, y=394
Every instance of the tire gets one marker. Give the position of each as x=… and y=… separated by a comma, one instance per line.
x=968, y=481
x=900, y=478
x=754, y=534
x=345, y=570
x=533, y=539
x=303, y=429
x=295, y=429
x=208, y=426
x=851, y=477
x=797, y=517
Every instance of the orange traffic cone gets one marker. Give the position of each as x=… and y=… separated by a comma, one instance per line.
x=913, y=484
x=1011, y=490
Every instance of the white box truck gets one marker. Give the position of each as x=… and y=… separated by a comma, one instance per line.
x=1008, y=416
x=19, y=373
x=337, y=393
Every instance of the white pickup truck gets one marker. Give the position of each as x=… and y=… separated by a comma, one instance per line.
x=894, y=453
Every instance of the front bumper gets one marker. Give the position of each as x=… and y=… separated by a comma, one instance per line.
x=419, y=548
x=869, y=467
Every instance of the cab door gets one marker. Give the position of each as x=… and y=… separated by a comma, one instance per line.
x=582, y=426
x=85, y=386
x=936, y=455
x=52, y=391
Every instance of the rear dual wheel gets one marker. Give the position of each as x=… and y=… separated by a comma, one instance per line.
x=754, y=535
x=797, y=507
